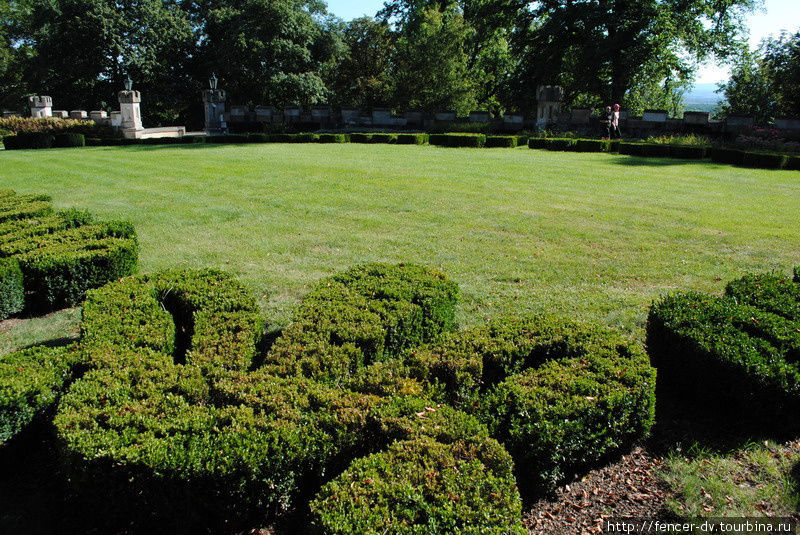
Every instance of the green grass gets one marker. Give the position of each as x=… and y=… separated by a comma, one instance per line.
x=760, y=480
x=590, y=235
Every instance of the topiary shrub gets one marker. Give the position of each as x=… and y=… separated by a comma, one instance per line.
x=365, y=314
x=591, y=145
x=12, y=289
x=560, y=144
x=69, y=140
x=360, y=138
x=255, y=137
x=763, y=160
x=31, y=381
x=631, y=149
x=655, y=150
x=687, y=152
x=731, y=156
x=411, y=139
x=792, y=163
x=537, y=143
x=558, y=395
x=508, y=142
x=29, y=140
x=613, y=145
x=738, y=353
x=383, y=138
x=423, y=486
x=62, y=254
x=457, y=140
x=333, y=138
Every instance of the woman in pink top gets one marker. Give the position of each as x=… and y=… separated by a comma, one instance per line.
x=615, y=133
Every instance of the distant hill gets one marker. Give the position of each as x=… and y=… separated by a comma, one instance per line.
x=702, y=97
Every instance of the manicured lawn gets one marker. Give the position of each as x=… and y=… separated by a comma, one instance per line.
x=591, y=235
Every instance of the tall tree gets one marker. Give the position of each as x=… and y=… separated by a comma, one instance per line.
x=431, y=63
x=601, y=50
x=362, y=77
x=267, y=51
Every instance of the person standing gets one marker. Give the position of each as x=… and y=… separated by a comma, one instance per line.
x=615, y=132
x=606, y=120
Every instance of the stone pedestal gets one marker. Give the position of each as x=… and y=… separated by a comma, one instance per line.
x=548, y=104
x=41, y=106
x=214, y=104
x=131, y=123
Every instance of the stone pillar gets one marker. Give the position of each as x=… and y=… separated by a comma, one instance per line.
x=548, y=104
x=214, y=104
x=131, y=123
x=41, y=106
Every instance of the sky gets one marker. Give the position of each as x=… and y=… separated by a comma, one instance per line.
x=774, y=16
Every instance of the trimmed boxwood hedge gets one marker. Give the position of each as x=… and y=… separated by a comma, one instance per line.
x=793, y=163
x=360, y=138
x=739, y=352
x=508, y=142
x=560, y=395
x=457, y=140
x=69, y=139
x=763, y=160
x=31, y=382
x=423, y=486
x=367, y=397
x=333, y=138
x=60, y=254
x=591, y=145
x=537, y=143
x=560, y=144
x=411, y=139
x=365, y=314
x=31, y=140
x=731, y=156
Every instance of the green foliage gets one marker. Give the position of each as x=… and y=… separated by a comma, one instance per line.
x=742, y=350
x=383, y=138
x=423, y=486
x=412, y=139
x=559, y=395
x=793, y=163
x=457, y=140
x=292, y=138
x=31, y=382
x=227, y=138
x=12, y=290
x=49, y=125
x=537, y=143
x=63, y=254
x=687, y=152
x=560, y=144
x=763, y=160
x=731, y=156
x=591, y=145
x=365, y=314
x=333, y=138
x=508, y=142
x=69, y=140
x=360, y=138
x=32, y=140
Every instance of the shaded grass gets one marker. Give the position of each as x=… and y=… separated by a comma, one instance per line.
x=520, y=230
x=759, y=480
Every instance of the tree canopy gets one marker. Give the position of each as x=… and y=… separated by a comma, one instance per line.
x=430, y=54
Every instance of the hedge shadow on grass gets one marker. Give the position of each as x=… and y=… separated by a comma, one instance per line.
x=644, y=161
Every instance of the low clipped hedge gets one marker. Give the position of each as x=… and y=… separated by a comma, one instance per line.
x=508, y=142
x=591, y=145
x=537, y=143
x=559, y=144
x=360, y=138
x=365, y=314
x=423, y=486
x=31, y=382
x=738, y=353
x=411, y=139
x=688, y=152
x=457, y=140
x=731, y=156
x=368, y=407
x=793, y=163
x=763, y=160
x=333, y=138
x=31, y=140
x=12, y=288
x=60, y=254
x=226, y=139
x=558, y=395
x=649, y=150
x=68, y=139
